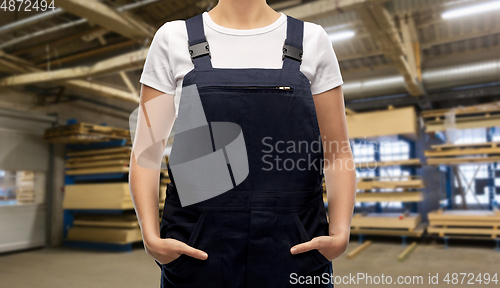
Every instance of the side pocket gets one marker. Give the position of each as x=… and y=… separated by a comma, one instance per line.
x=314, y=253
x=190, y=242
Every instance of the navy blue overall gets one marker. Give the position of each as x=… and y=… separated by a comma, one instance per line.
x=249, y=230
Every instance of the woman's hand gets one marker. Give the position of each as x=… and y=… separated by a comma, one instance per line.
x=167, y=250
x=329, y=246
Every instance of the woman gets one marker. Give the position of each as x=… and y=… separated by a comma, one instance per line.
x=278, y=79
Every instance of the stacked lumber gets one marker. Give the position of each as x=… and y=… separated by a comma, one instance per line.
x=117, y=229
x=381, y=123
x=102, y=196
x=388, y=224
x=84, y=133
x=477, y=116
x=25, y=187
x=413, y=196
x=108, y=160
x=396, y=189
x=403, y=182
x=463, y=153
x=465, y=223
x=374, y=164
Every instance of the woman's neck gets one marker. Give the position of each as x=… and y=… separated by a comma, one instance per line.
x=243, y=14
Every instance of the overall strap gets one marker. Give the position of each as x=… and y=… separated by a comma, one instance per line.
x=198, y=45
x=292, y=49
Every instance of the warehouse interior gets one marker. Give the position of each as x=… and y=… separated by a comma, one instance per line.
x=422, y=98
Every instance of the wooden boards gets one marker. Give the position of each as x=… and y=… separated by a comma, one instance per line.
x=403, y=182
x=407, y=252
x=97, y=161
x=102, y=196
x=389, y=197
x=84, y=133
x=104, y=234
x=382, y=123
x=478, y=116
x=374, y=164
x=386, y=221
x=25, y=187
x=358, y=249
x=417, y=232
x=117, y=229
x=97, y=196
x=464, y=223
x=463, y=153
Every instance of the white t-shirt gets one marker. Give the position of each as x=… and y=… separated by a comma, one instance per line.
x=168, y=58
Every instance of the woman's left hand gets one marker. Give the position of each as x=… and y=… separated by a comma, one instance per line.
x=329, y=246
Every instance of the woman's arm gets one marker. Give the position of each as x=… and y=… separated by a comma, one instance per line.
x=144, y=184
x=340, y=175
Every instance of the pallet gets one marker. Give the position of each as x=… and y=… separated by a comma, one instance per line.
x=392, y=221
x=389, y=197
x=374, y=164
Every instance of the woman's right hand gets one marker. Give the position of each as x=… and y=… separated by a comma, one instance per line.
x=167, y=250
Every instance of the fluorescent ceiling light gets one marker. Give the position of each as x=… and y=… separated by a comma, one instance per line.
x=341, y=35
x=485, y=7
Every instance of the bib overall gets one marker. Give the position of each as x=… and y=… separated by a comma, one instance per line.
x=248, y=231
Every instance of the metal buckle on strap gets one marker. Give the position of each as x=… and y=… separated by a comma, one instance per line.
x=199, y=50
x=292, y=52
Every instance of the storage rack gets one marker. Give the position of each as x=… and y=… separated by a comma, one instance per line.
x=70, y=215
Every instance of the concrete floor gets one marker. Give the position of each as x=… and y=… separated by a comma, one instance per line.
x=63, y=268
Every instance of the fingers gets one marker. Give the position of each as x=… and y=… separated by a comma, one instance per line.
x=306, y=246
x=192, y=252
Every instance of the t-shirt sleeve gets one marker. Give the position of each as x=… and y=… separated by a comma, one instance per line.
x=327, y=74
x=157, y=72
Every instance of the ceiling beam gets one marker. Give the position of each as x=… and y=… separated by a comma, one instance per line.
x=411, y=46
x=87, y=54
x=107, y=17
x=17, y=65
x=128, y=61
x=319, y=9
x=461, y=37
x=129, y=84
x=380, y=25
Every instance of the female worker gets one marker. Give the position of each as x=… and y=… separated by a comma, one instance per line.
x=269, y=83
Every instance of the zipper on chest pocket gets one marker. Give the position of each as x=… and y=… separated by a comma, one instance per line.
x=270, y=88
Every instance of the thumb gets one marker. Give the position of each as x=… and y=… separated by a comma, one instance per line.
x=193, y=252
x=302, y=247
